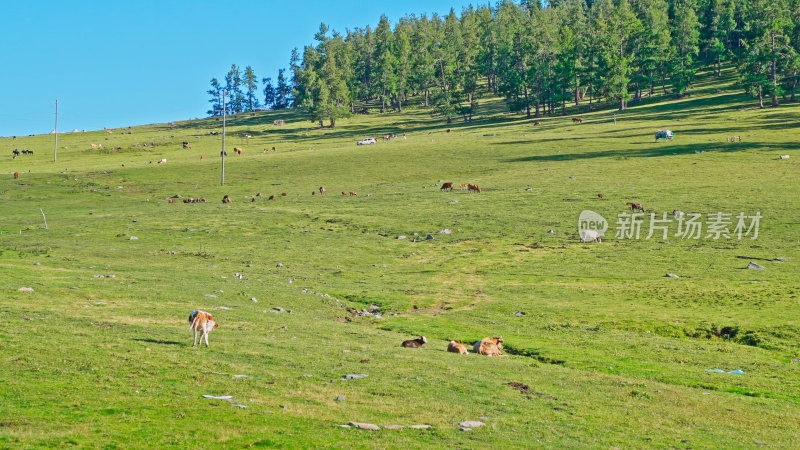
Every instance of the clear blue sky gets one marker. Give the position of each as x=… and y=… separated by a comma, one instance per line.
x=118, y=63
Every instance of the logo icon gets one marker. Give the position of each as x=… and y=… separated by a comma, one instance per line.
x=591, y=226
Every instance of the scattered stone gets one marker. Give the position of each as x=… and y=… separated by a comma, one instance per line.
x=278, y=308
x=393, y=427
x=225, y=308
x=755, y=266
x=37, y=264
x=572, y=178
x=352, y=376
x=210, y=295
x=401, y=237
x=279, y=265
x=529, y=189
x=218, y=397
x=451, y=201
x=445, y=231
x=340, y=398
x=134, y=238
x=239, y=276
x=74, y=287
x=99, y=303
x=419, y=427
x=471, y=424
x=551, y=231
x=239, y=406
x=671, y=275
x=430, y=237
x=364, y=426
x=308, y=375
x=485, y=418
x=283, y=406
x=784, y=156
x=25, y=289
x=345, y=426
x=519, y=313
x=253, y=299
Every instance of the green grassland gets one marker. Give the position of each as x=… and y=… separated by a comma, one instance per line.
x=613, y=353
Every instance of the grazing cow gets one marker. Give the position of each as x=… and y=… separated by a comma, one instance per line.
x=344, y=193
x=446, y=186
x=204, y=322
x=313, y=192
x=590, y=235
x=463, y=187
x=457, y=347
x=473, y=187
x=253, y=200
x=238, y=150
x=188, y=200
x=16, y=175
x=537, y=123
x=94, y=145
x=173, y=200
x=600, y=196
x=226, y=199
x=415, y=343
x=678, y=214
x=447, y=131
x=162, y=160
x=636, y=206
x=273, y=149
x=489, y=346
x=271, y=197
x=353, y=193
x=322, y=190
x=15, y=152
x=284, y=194
x=186, y=145
x=202, y=199
x=577, y=120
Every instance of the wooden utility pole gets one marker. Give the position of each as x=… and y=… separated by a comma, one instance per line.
x=55, y=149
x=223, y=137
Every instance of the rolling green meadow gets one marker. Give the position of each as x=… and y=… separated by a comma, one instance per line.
x=609, y=352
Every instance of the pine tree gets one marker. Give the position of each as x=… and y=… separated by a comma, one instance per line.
x=685, y=39
x=251, y=85
x=233, y=85
x=283, y=93
x=269, y=93
x=216, y=98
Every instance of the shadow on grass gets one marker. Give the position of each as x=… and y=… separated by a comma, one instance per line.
x=158, y=341
x=652, y=152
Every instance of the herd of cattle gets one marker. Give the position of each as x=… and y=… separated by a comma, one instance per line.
x=204, y=323
x=464, y=187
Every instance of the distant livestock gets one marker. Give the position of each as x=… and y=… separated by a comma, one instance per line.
x=162, y=160
x=577, y=120
x=446, y=186
x=226, y=199
x=353, y=193
x=678, y=214
x=537, y=123
x=600, y=196
x=186, y=145
x=636, y=206
x=590, y=235
x=321, y=190
x=473, y=187
x=16, y=175
x=463, y=187
x=15, y=152
x=489, y=346
x=415, y=343
x=344, y=193
x=457, y=347
x=203, y=322
x=238, y=150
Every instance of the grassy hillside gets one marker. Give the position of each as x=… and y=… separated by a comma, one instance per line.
x=609, y=351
